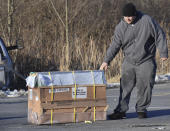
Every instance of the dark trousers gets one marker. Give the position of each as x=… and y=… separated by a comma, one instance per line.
x=140, y=76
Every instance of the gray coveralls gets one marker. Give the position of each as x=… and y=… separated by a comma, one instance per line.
x=140, y=76
x=138, y=41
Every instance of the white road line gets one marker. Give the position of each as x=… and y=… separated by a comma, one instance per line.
x=159, y=107
x=155, y=107
x=163, y=94
x=113, y=96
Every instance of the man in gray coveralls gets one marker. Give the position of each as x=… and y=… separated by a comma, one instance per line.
x=138, y=35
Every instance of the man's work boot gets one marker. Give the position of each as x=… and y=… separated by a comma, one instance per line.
x=117, y=116
x=142, y=115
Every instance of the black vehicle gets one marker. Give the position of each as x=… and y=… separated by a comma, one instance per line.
x=7, y=69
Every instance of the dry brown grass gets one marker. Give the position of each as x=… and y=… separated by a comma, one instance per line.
x=41, y=25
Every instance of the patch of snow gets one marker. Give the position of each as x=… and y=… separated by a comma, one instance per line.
x=2, y=94
x=14, y=93
x=112, y=85
x=162, y=78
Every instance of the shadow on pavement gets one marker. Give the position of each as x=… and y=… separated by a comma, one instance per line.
x=154, y=113
x=18, y=102
x=14, y=117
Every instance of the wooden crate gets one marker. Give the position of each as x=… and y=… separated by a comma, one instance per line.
x=61, y=106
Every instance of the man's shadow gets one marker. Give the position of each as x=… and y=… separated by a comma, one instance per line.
x=151, y=114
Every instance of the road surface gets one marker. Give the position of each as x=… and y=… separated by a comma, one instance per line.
x=13, y=115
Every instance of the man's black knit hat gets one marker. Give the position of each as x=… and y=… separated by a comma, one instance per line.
x=129, y=10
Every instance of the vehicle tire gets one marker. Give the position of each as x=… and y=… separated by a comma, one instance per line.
x=13, y=78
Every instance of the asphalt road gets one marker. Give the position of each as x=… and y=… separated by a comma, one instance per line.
x=13, y=115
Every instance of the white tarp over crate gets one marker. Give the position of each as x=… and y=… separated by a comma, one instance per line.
x=55, y=78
